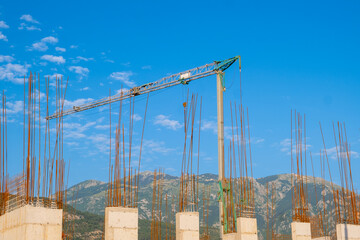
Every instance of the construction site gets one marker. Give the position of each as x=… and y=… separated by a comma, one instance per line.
x=33, y=203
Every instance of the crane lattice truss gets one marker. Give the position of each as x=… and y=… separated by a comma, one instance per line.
x=173, y=80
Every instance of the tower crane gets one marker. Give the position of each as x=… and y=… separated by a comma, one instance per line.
x=216, y=67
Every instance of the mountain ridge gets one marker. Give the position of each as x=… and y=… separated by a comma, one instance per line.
x=90, y=196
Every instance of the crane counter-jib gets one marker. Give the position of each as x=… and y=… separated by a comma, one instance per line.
x=184, y=77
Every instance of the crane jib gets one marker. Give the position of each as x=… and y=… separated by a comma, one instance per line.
x=180, y=78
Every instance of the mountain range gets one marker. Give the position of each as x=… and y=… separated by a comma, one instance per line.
x=89, y=198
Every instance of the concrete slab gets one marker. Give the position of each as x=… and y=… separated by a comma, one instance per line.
x=187, y=226
x=347, y=231
x=300, y=231
x=121, y=223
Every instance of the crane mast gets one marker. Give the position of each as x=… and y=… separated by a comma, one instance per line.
x=217, y=67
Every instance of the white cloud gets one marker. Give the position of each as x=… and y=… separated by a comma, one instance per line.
x=75, y=135
x=126, y=64
x=164, y=121
x=81, y=71
x=102, y=127
x=78, y=126
x=76, y=130
x=209, y=125
x=14, y=107
x=151, y=146
x=53, y=78
x=13, y=72
x=99, y=138
x=136, y=117
x=29, y=28
x=147, y=67
x=285, y=146
x=59, y=49
x=50, y=39
x=83, y=131
x=28, y=18
x=39, y=46
x=3, y=25
x=4, y=58
x=101, y=142
x=55, y=75
x=42, y=44
x=123, y=77
x=77, y=102
x=54, y=59
x=333, y=153
x=256, y=140
x=79, y=58
x=32, y=28
x=84, y=89
x=122, y=90
x=3, y=37
x=74, y=46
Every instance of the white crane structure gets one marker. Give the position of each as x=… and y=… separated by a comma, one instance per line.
x=217, y=67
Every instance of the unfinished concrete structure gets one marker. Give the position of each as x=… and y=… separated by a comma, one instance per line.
x=187, y=226
x=121, y=223
x=247, y=228
x=31, y=223
x=300, y=231
x=347, y=231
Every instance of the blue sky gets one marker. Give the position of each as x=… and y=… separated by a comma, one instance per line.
x=295, y=55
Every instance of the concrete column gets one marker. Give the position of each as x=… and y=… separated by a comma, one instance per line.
x=300, y=231
x=347, y=231
x=246, y=229
x=121, y=223
x=187, y=226
x=322, y=238
x=229, y=236
x=31, y=223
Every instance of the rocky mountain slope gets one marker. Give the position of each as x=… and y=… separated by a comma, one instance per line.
x=90, y=196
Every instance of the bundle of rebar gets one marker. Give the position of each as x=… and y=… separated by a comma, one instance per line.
x=123, y=183
x=205, y=209
x=298, y=180
x=318, y=222
x=270, y=212
x=156, y=209
x=271, y=225
x=240, y=163
x=4, y=181
x=41, y=182
x=170, y=216
x=189, y=178
x=346, y=200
